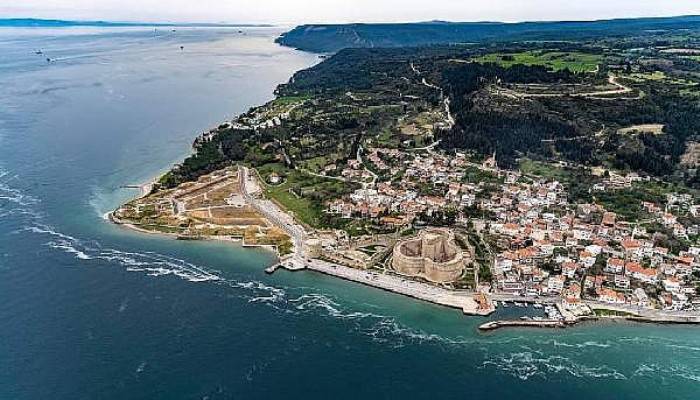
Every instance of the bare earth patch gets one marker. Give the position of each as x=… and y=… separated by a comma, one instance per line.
x=691, y=157
x=654, y=129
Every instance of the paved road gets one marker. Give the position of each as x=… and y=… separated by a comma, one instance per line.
x=276, y=217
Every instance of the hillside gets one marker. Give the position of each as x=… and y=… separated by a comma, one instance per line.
x=331, y=38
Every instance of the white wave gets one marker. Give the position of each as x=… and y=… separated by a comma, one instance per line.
x=683, y=347
x=526, y=365
x=141, y=367
x=123, y=305
x=15, y=202
x=153, y=264
x=16, y=196
x=269, y=294
x=380, y=328
x=674, y=370
x=583, y=345
x=70, y=249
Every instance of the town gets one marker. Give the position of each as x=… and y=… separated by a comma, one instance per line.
x=368, y=179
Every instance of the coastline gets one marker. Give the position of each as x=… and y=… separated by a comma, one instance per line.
x=277, y=215
x=111, y=218
x=420, y=291
x=462, y=300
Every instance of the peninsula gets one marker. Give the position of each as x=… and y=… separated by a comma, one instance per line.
x=471, y=175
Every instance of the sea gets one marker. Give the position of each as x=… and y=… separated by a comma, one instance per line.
x=90, y=310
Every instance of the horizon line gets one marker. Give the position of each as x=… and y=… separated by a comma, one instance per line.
x=126, y=23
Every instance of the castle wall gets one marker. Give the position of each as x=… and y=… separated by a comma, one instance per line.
x=444, y=271
x=433, y=255
x=406, y=264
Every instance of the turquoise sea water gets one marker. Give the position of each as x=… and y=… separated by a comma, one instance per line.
x=89, y=310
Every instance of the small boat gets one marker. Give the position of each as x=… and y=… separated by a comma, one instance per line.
x=39, y=52
x=537, y=305
x=525, y=318
x=505, y=304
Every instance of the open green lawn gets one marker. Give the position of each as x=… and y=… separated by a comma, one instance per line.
x=575, y=62
x=287, y=100
x=308, y=195
x=315, y=164
x=604, y=312
x=303, y=208
x=546, y=170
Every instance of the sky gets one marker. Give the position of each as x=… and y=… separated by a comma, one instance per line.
x=341, y=11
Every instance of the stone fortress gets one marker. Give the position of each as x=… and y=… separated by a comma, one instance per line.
x=432, y=255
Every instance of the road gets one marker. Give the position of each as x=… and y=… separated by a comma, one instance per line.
x=463, y=300
x=277, y=217
x=445, y=99
x=612, y=80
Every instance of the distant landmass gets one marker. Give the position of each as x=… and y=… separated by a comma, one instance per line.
x=331, y=38
x=34, y=22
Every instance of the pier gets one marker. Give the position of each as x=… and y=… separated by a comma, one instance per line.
x=493, y=325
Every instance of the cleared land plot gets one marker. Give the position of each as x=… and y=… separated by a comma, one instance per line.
x=654, y=129
x=557, y=61
x=691, y=157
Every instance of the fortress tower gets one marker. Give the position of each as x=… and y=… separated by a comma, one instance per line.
x=432, y=255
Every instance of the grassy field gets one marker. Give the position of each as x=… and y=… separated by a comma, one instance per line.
x=305, y=195
x=287, y=100
x=658, y=76
x=604, y=312
x=545, y=170
x=575, y=62
x=303, y=208
x=267, y=169
x=315, y=164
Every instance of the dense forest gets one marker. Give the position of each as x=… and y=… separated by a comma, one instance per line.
x=531, y=109
x=331, y=38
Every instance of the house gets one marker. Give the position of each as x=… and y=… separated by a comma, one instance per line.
x=646, y=275
x=632, y=247
x=672, y=284
x=568, y=269
x=610, y=296
x=275, y=178
x=622, y=282
x=640, y=297
x=511, y=229
x=555, y=284
x=587, y=259
x=609, y=218
x=614, y=266
x=573, y=291
x=593, y=281
x=503, y=264
x=668, y=219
